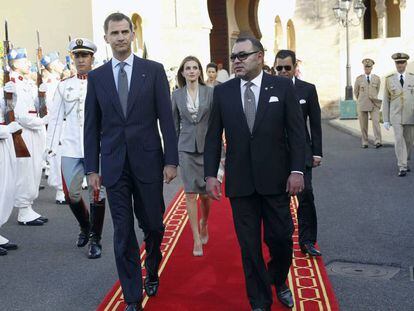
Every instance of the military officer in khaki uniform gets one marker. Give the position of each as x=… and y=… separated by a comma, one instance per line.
x=398, y=110
x=366, y=91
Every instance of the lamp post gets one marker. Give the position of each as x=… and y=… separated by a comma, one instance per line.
x=341, y=11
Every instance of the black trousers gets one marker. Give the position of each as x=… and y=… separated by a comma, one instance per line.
x=273, y=213
x=308, y=226
x=127, y=197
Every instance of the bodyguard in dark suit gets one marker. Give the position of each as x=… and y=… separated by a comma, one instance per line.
x=125, y=99
x=285, y=64
x=265, y=160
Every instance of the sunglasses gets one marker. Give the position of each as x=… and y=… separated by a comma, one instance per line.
x=400, y=62
x=242, y=55
x=287, y=68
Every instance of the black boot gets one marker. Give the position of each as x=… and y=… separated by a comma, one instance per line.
x=97, y=220
x=82, y=215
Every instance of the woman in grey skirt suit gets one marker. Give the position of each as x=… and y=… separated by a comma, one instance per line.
x=191, y=105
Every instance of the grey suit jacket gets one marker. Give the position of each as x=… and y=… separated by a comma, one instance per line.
x=191, y=134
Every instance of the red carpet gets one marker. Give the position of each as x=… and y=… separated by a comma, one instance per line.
x=215, y=281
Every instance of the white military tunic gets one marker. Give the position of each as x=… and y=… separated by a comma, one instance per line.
x=70, y=100
x=55, y=173
x=7, y=169
x=29, y=170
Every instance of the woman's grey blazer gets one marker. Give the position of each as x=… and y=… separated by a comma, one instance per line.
x=191, y=134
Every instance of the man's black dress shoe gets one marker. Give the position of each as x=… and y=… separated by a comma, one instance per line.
x=151, y=286
x=402, y=173
x=95, y=250
x=310, y=249
x=3, y=252
x=378, y=146
x=36, y=222
x=44, y=219
x=408, y=169
x=284, y=295
x=83, y=239
x=61, y=202
x=134, y=307
x=364, y=146
x=9, y=246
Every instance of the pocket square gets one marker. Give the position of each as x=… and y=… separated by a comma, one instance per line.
x=273, y=99
x=302, y=101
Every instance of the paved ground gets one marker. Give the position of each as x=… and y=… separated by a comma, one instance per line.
x=48, y=271
x=352, y=127
x=366, y=215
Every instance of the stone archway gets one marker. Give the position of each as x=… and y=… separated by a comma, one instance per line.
x=231, y=19
x=291, y=35
x=393, y=19
x=138, y=44
x=278, y=35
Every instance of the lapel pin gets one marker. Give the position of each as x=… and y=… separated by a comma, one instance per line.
x=266, y=88
x=143, y=75
x=271, y=87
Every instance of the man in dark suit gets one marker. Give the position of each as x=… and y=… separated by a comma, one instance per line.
x=285, y=64
x=265, y=159
x=125, y=99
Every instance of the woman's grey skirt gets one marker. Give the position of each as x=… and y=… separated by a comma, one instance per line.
x=192, y=172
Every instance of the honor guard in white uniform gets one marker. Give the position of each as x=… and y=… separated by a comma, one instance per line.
x=28, y=170
x=52, y=76
x=7, y=173
x=70, y=100
x=398, y=110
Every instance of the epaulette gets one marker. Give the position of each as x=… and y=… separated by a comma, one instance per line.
x=410, y=73
x=389, y=75
x=67, y=78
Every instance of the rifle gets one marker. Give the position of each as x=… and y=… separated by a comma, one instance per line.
x=19, y=144
x=67, y=57
x=42, y=95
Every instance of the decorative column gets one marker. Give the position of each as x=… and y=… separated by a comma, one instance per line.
x=381, y=10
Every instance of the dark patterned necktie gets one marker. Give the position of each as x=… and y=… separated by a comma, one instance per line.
x=249, y=105
x=402, y=80
x=368, y=80
x=123, y=87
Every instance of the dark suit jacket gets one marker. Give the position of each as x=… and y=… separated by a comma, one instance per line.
x=134, y=137
x=308, y=100
x=191, y=133
x=263, y=160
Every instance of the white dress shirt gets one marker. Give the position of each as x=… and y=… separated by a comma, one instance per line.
x=128, y=69
x=401, y=74
x=257, y=83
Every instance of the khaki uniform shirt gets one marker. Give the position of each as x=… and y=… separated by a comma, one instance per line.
x=367, y=93
x=398, y=101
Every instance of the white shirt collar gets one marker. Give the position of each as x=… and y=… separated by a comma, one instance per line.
x=293, y=80
x=256, y=81
x=129, y=61
x=399, y=74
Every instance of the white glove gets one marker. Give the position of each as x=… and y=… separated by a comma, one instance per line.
x=45, y=119
x=13, y=127
x=43, y=87
x=10, y=87
x=48, y=154
x=387, y=125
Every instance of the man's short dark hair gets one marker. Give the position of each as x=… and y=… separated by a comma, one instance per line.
x=255, y=42
x=117, y=17
x=212, y=65
x=282, y=54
